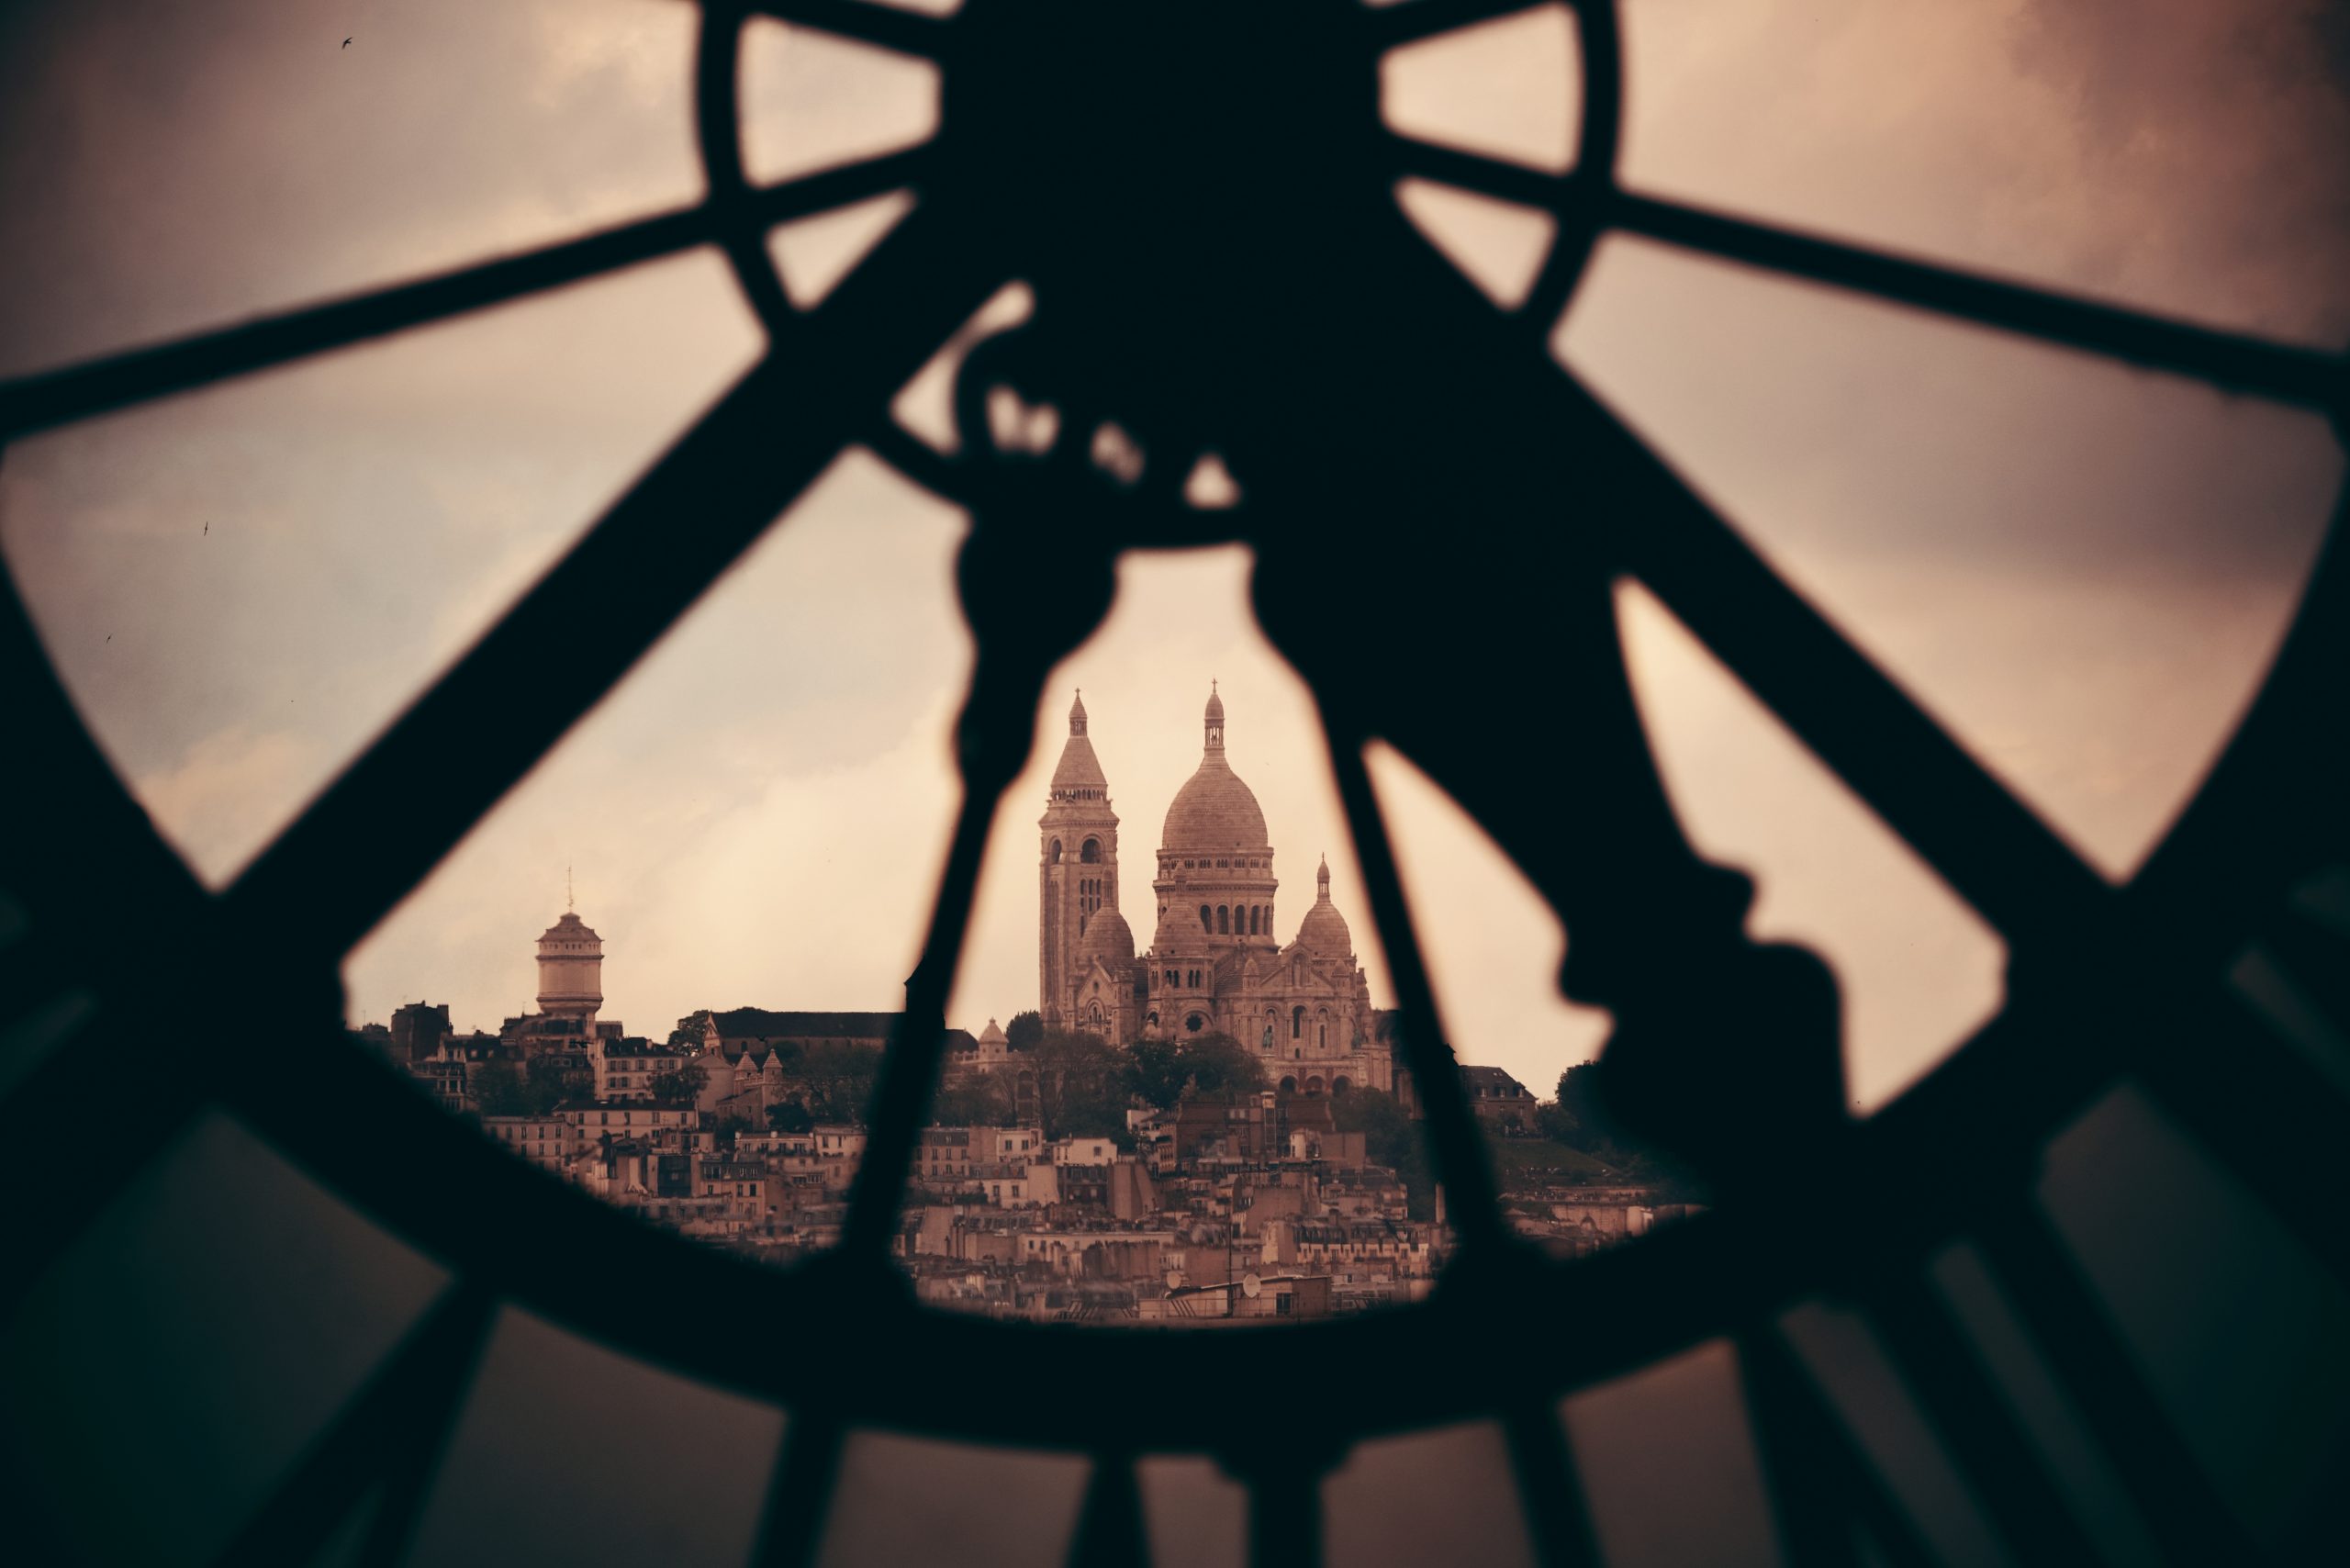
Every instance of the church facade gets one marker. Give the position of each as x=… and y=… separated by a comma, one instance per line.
x=1214, y=964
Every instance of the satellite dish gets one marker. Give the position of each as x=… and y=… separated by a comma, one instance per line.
x=1251, y=1286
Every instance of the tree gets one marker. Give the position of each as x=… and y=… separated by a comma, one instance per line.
x=1080, y=1086
x=836, y=1079
x=976, y=1102
x=1390, y=1138
x=1163, y=1071
x=681, y=1086
x=790, y=1116
x=687, y=1036
x=729, y=1130
x=498, y=1091
x=1024, y=1030
x=553, y=1079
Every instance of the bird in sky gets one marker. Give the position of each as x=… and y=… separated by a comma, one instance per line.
x=207, y=530
x=346, y=43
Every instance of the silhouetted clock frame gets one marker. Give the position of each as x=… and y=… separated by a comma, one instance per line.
x=1200, y=199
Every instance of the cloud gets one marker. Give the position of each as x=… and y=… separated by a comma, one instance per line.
x=223, y=801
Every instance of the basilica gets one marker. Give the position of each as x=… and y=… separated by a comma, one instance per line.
x=1214, y=964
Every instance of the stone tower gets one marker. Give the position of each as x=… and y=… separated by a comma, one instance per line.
x=571, y=970
x=1077, y=873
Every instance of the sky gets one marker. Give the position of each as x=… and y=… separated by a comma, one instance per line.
x=2082, y=571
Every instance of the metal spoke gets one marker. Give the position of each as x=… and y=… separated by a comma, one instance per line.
x=630, y=579
x=1822, y=1487
x=1496, y=177
x=2230, y=359
x=910, y=1067
x=1110, y=1531
x=2077, y=1339
x=1454, y=1142
x=886, y=27
x=1285, y=1519
x=391, y=1436
x=2272, y=1118
x=1417, y=19
x=1558, y=1517
x=2315, y=957
x=1990, y=848
x=43, y=1121
x=1959, y=1398
x=53, y=397
x=791, y=1527
x=994, y=738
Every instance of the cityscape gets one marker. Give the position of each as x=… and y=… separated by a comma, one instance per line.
x=1214, y=1128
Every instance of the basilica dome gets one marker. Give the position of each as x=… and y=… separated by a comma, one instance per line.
x=1214, y=813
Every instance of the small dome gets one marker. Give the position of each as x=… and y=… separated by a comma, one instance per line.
x=570, y=928
x=1215, y=705
x=1107, y=938
x=994, y=1035
x=1324, y=931
x=1178, y=931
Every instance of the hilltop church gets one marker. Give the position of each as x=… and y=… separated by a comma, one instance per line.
x=1214, y=964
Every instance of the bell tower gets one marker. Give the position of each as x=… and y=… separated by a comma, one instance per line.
x=1078, y=869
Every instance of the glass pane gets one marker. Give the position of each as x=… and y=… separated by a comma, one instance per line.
x=1441, y=1497
x=1197, y=1517
x=567, y=1452
x=2081, y=570
x=1865, y=1391
x=902, y=1500
x=1204, y=1127
x=665, y=966
x=2192, y=163
x=1669, y=1465
x=2090, y=1488
x=201, y=1357
x=241, y=585
x=1916, y=970
x=2250, y=1361
x=165, y=168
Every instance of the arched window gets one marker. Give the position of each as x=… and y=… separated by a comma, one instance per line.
x=1056, y=855
x=1207, y=918
x=1091, y=852
x=1314, y=1085
x=1296, y=1023
x=1340, y=1084
x=1289, y=1085
x=1253, y=913
x=1223, y=920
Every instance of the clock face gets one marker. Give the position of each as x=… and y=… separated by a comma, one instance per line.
x=1343, y=286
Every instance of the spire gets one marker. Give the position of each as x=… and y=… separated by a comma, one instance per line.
x=1214, y=720
x=1077, y=713
x=1322, y=880
x=570, y=900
